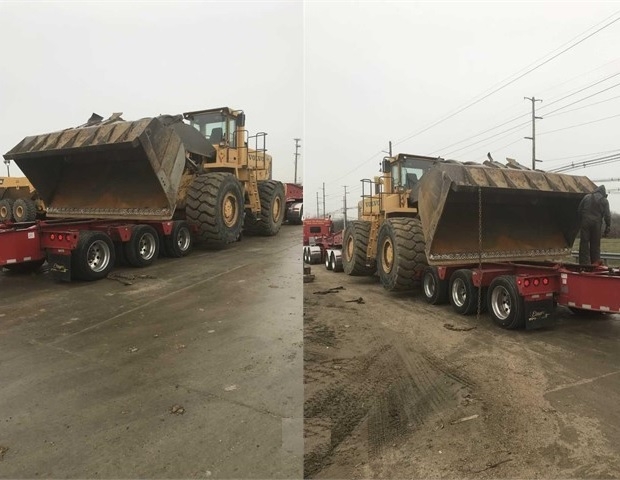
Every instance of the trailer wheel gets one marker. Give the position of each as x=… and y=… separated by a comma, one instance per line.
x=94, y=256
x=143, y=247
x=273, y=205
x=6, y=210
x=306, y=256
x=328, y=260
x=462, y=292
x=315, y=254
x=179, y=242
x=354, y=247
x=400, y=253
x=24, y=210
x=295, y=213
x=505, y=304
x=214, y=206
x=336, y=261
x=435, y=289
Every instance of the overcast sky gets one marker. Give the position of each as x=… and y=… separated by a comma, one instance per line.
x=63, y=61
x=346, y=77
x=377, y=72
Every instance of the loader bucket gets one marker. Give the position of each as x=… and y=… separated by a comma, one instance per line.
x=128, y=170
x=524, y=214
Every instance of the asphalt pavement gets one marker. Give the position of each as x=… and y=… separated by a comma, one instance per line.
x=194, y=370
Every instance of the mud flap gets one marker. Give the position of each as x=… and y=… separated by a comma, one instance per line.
x=60, y=266
x=538, y=314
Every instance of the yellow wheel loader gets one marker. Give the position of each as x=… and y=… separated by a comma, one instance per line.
x=19, y=201
x=428, y=211
x=201, y=167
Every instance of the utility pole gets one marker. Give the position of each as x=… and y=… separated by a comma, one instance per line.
x=390, y=142
x=8, y=164
x=323, y=199
x=345, y=206
x=317, y=205
x=297, y=140
x=533, y=137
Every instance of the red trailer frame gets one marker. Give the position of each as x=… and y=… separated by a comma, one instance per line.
x=68, y=246
x=524, y=294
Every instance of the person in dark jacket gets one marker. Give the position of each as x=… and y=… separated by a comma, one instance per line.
x=593, y=210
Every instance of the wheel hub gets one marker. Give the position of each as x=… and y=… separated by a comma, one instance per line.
x=349, y=249
x=276, y=209
x=147, y=246
x=387, y=255
x=459, y=292
x=98, y=256
x=229, y=209
x=500, y=303
x=429, y=286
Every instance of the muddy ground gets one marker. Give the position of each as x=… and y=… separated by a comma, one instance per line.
x=397, y=388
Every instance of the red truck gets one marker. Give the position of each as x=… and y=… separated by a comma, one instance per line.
x=322, y=244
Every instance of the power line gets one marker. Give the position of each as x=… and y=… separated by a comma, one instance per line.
x=580, y=124
x=471, y=104
x=587, y=163
x=585, y=106
x=526, y=114
x=582, y=155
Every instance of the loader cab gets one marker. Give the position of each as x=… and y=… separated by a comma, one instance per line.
x=219, y=126
x=406, y=170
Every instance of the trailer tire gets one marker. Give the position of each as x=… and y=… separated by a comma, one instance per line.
x=24, y=210
x=214, y=206
x=336, y=261
x=273, y=205
x=94, y=256
x=143, y=247
x=354, y=247
x=294, y=215
x=306, y=255
x=435, y=289
x=179, y=243
x=328, y=260
x=400, y=253
x=462, y=292
x=505, y=304
x=6, y=210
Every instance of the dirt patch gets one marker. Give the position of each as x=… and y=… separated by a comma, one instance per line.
x=392, y=392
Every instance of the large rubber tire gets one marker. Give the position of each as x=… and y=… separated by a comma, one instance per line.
x=94, y=256
x=462, y=292
x=273, y=206
x=6, y=210
x=400, y=253
x=143, y=247
x=435, y=289
x=179, y=242
x=214, y=206
x=505, y=305
x=24, y=210
x=296, y=218
x=354, y=247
